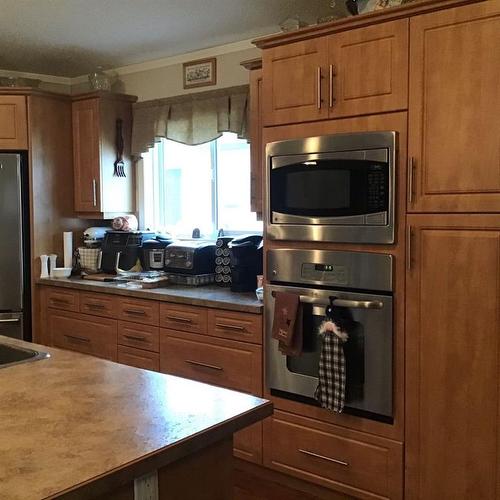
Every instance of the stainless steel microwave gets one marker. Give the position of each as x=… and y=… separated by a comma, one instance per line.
x=336, y=188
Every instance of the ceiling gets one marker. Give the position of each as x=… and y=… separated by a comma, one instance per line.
x=71, y=37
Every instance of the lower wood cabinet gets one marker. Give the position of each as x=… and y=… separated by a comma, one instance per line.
x=59, y=298
x=361, y=465
x=83, y=333
x=452, y=357
x=230, y=364
x=144, y=337
x=139, y=358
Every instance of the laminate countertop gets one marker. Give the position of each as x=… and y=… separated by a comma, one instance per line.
x=73, y=424
x=208, y=296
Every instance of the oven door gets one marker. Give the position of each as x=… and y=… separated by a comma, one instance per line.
x=368, y=351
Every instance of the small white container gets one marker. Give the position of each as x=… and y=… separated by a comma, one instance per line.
x=61, y=272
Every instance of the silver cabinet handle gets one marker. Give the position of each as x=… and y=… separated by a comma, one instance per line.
x=318, y=83
x=134, y=337
x=179, y=319
x=411, y=170
x=332, y=74
x=78, y=339
x=10, y=320
x=322, y=457
x=230, y=327
x=94, y=192
x=204, y=365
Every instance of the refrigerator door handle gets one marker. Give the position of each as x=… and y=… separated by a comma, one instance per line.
x=11, y=320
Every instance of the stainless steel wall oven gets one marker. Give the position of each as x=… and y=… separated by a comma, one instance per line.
x=337, y=188
x=361, y=282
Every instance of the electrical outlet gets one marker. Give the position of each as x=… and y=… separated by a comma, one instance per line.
x=146, y=487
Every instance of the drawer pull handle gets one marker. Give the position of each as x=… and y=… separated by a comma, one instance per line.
x=204, y=365
x=133, y=337
x=328, y=459
x=179, y=319
x=77, y=339
x=230, y=327
x=135, y=312
x=61, y=302
x=95, y=306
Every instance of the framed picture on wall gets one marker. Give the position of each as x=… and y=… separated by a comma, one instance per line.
x=200, y=73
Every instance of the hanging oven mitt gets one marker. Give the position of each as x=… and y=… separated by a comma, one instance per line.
x=330, y=392
x=287, y=323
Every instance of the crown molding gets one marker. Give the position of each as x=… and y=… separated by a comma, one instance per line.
x=177, y=59
x=61, y=80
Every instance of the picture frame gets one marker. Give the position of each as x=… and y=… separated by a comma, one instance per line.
x=200, y=73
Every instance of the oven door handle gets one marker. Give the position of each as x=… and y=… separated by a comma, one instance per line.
x=352, y=304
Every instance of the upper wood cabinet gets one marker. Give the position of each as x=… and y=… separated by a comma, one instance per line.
x=99, y=192
x=13, y=122
x=454, y=109
x=453, y=348
x=356, y=72
x=256, y=146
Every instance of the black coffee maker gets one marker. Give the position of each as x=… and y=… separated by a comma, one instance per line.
x=246, y=255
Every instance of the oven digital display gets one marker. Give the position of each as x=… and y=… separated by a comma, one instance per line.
x=326, y=273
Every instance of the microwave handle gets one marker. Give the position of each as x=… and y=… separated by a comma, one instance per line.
x=353, y=304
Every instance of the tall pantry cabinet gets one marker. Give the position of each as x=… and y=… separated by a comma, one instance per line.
x=453, y=256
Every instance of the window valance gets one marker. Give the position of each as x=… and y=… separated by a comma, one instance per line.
x=191, y=119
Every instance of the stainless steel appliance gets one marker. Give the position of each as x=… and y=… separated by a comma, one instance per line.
x=153, y=254
x=360, y=282
x=190, y=257
x=338, y=188
x=14, y=248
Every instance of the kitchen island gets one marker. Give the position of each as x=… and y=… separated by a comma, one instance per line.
x=75, y=426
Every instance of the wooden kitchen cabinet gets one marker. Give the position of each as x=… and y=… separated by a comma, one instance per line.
x=356, y=72
x=454, y=142
x=83, y=333
x=354, y=463
x=13, y=122
x=257, y=161
x=99, y=193
x=139, y=358
x=453, y=348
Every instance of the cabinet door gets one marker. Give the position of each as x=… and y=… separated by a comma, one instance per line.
x=452, y=338
x=369, y=70
x=86, y=155
x=13, y=122
x=454, y=107
x=256, y=146
x=295, y=82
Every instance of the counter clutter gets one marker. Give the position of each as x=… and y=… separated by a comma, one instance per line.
x=92, y=426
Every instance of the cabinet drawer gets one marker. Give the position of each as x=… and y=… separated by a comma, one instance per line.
x=67, y=300
x=98, y=304
x=230, y=364
x=235, y=326
x=140, y=311
x=248, y=443
x=184, y=318
x=83, y=333
x=359, y=464
x=145, y=337
x=138, y=358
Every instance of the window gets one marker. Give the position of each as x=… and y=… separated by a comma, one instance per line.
x=205, y=187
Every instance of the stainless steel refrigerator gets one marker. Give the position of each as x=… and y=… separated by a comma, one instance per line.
x=14, y=248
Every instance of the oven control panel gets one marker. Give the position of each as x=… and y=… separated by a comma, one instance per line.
x=326, y=273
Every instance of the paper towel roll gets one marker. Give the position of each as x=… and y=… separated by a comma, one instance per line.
x=68, y=249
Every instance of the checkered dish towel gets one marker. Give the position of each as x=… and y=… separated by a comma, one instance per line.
x=330, y=392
